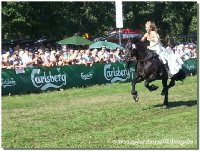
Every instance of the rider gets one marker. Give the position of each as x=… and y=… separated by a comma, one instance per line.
x=152, y=36
x=172, y=62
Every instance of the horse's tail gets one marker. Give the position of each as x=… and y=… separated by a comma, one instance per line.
x=180, y=76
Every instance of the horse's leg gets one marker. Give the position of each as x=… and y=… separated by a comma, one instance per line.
x=164, y=84
x=134, y=82
x=166, y=89
x=171, y=84
x=133, y=91
x=148, y=81
x=165, y=92
x=165, y=104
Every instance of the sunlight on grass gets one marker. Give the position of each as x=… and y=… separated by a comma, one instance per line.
x=101, y=116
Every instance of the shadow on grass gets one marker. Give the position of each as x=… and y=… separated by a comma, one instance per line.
x=173, y=104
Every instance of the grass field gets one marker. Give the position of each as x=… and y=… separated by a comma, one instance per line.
x=102, y=116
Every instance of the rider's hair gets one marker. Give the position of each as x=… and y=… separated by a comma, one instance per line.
x=152, y=25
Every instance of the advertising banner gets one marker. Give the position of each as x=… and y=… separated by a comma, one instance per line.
x=23, y=80
x=35, y=79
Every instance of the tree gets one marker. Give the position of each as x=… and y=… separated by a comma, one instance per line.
x=58, y=20
x=172, y=18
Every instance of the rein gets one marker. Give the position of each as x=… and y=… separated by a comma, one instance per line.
x=152, y=54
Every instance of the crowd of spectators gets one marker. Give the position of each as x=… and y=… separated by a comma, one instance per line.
x=65, y=56
x=186, y=51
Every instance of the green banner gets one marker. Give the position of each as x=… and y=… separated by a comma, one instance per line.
x=16, y=81
x=190, y=66
x=43, y=78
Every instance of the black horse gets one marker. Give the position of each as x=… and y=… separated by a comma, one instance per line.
x=149, y=68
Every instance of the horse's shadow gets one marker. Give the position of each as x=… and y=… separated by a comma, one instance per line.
x=173, y=104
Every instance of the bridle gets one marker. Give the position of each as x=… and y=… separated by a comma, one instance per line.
x=130, y=59
x=133, y=46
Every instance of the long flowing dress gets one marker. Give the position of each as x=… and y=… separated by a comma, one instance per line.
x=167, y=56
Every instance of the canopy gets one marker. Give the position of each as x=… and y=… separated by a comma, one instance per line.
x=108, y=45
x=75, y=40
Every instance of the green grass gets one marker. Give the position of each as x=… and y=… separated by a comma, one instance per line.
x=102, y=116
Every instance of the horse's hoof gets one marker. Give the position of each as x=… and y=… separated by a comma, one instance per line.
x=134, y=92
x=136, y=98
x=163, y=93
x=164, y=107
x=153, y=88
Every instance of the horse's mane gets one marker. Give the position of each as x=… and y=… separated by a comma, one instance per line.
x=142, y=49
x=141, y=52
x=141, y=46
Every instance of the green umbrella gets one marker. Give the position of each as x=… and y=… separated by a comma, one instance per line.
x=108, y=45
x=75, y=40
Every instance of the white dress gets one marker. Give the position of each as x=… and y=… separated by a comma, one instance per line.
x=174, y=61
x=159, y=49
x=167, y=56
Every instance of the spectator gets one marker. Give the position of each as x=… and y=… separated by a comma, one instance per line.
x=57, y=59
x=193, y=53
x=3, y=51
x=37, y=60
x=60, y=58
x=117, y=55
x=11, y=50
x=52, y=58
x=70, y=57
x=46, y=58
x=65, y=53
x=14, y=61
x=5, y=60
x=112, y=56
x=79, y=58
x=87, y=59
x=27, y=59
x=40, y=51
x=103, y=55
x=94, y=56
x=185, y=51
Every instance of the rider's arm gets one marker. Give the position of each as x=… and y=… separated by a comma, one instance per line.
x=144, y=37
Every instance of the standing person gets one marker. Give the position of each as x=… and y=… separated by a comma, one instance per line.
x=87, y=59
x=103, y=54
x=117, y=55
x=94, y=56
x=52, y=58
x=27, y=58
x=155, y=44
x=37, y=59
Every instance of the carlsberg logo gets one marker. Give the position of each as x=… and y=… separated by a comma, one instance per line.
x=7, y=82
x=86, y=76
x=115, y=74
x=47, y=80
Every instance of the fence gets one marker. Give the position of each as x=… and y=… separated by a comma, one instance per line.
x=37, y=79
x=43, y=78
x=190, y=66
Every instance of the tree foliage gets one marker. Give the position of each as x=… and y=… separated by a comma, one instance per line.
x=171, y=18
x=62, y=19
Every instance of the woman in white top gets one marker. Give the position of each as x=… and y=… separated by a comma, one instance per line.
x=155, y=45
x=152, y=36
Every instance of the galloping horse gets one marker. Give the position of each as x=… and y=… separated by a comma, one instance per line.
x=149, y=68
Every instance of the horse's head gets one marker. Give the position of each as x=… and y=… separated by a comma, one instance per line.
x=133, y=46
x=130, y=51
